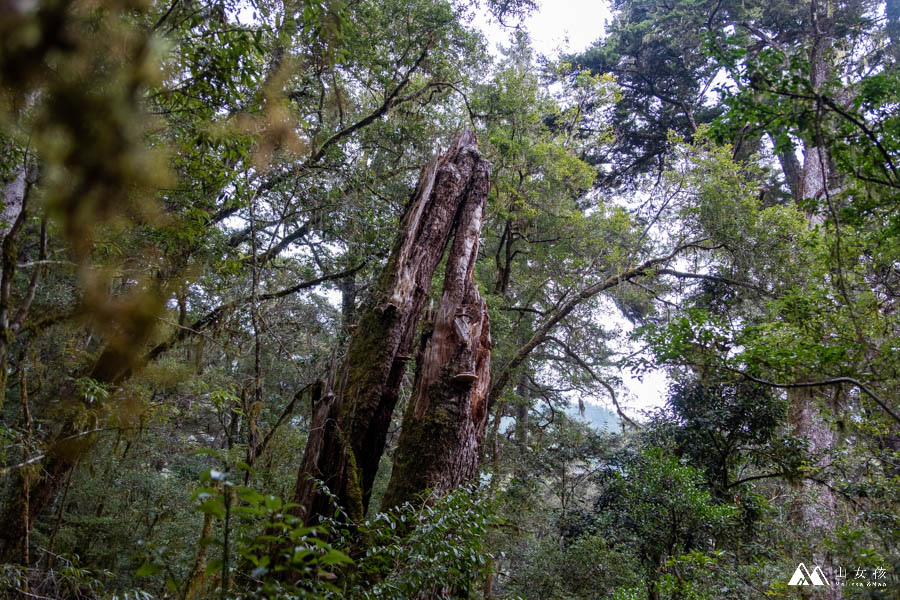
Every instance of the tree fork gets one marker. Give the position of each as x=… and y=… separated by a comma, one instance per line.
x=348, y=429
x=444, y=422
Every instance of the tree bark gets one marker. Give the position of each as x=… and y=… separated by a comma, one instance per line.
x=892, y=12
x=349, y=429
x=14, y=528
x=814, y=504
x=444, y=422
x=13, y=197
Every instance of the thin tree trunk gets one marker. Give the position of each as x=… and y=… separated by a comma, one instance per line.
x=348, y=431
x=444, y=423
x=65, y=448
x=14, y=528
x=347, y=285
x=194, y=582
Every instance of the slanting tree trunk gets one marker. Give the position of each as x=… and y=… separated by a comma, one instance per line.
x=348, y=431
x=444, y=422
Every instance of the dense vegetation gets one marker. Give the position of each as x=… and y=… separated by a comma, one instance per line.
x=216, y=379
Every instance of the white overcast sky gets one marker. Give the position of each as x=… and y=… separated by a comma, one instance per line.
x=563, y=26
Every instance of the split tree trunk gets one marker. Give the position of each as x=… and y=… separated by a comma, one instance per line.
x=349, y=428
x=444, y=423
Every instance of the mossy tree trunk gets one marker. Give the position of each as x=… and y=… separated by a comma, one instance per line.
x=349, y=427
x=444, y=423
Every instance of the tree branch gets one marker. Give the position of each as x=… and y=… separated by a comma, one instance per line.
x=716, y=278
x=392, y=99
x=833, y=381
x=272, y=252
x=595, y=377
x=284, y=415
x=754, y=478
x=215, y=314
x=541, y=334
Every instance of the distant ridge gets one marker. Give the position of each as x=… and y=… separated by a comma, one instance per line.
x=598, y=417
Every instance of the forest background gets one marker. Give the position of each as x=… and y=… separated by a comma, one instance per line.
x=208, y=208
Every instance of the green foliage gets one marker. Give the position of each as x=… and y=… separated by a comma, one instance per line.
x=432, y=548
x=206, y=179
x=68, y=579
x=725, y=429
x=661, y=506
x=273, y=554
x=586, y=567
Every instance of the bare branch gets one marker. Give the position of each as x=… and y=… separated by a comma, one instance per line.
x=716, y=278
x=275, y=250
x=541, y=334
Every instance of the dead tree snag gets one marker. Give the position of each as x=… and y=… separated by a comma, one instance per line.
x=443, y=426
x=349, y=428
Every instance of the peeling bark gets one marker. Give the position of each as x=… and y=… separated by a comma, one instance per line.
x=444, y=423
x=348, y=432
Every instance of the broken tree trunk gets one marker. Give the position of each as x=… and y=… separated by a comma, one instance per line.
x=348, y=429
x=444, y=423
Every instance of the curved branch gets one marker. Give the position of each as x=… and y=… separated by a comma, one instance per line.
x=595, y=377
x=284, y=415
x=833, y=381
x=755, y=478
x=541, y=334
x=389, y=102
x=287, y=240
x=716, y=278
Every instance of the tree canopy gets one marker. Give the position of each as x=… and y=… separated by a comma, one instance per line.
x=304, y=300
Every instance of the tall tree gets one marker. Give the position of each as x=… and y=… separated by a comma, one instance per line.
x=259, y=113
